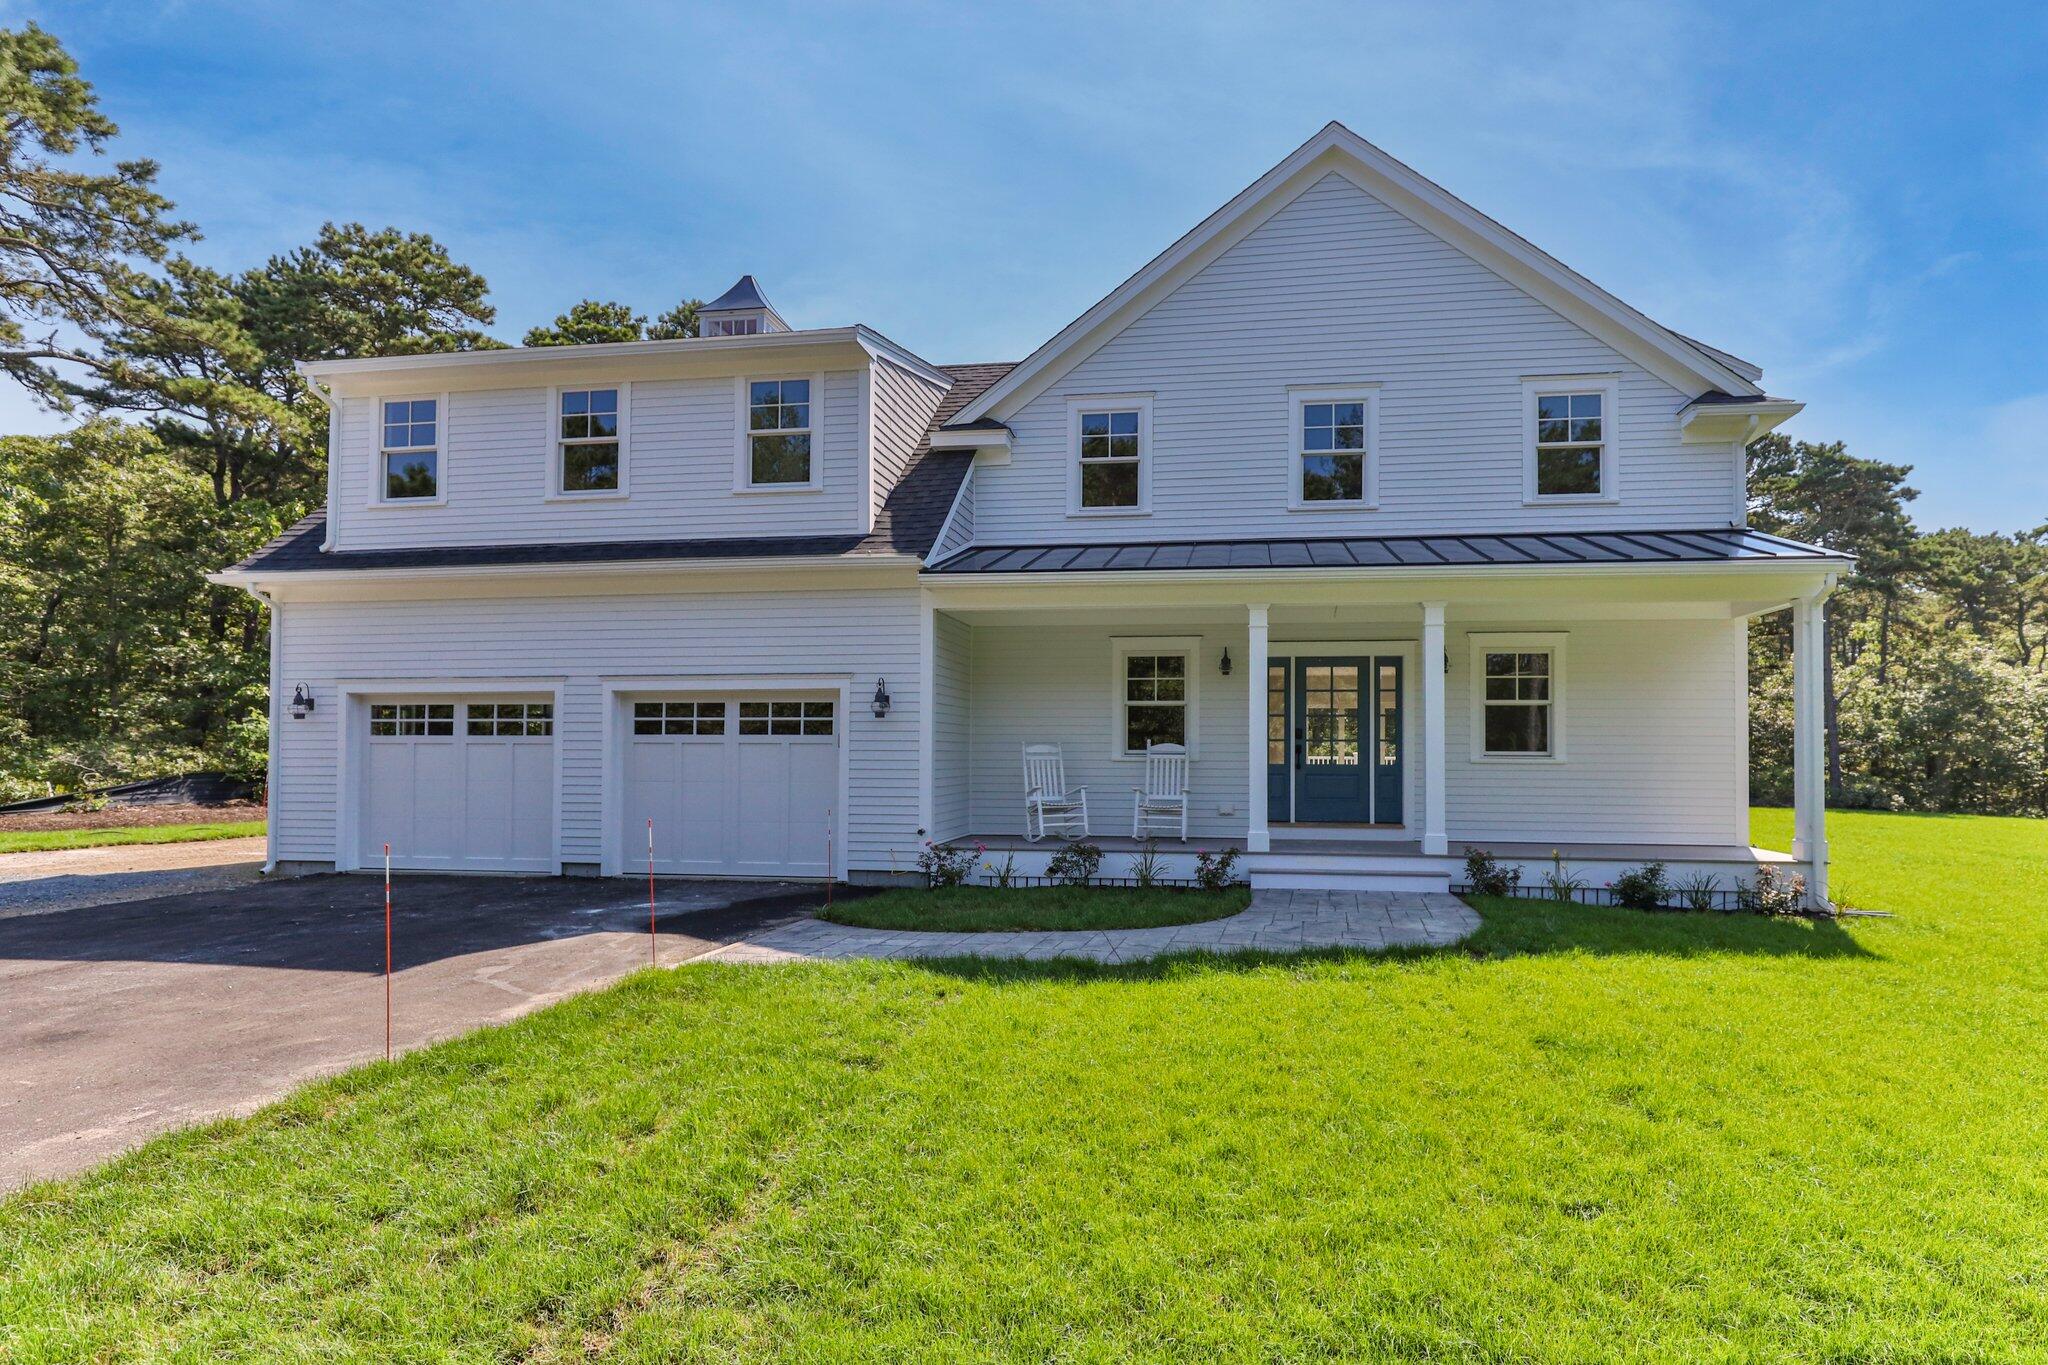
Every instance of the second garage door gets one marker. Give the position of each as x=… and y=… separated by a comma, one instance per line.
x=736, y=786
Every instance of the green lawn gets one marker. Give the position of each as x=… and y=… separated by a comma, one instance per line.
x=976, y=909
x=35, y=840
x=1588, y=1134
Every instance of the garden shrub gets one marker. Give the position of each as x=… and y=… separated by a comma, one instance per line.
x=1767, y=894
x=1486, y=877
x=1076, y=864
x=946, y=864
x=1216, y=871
x=1643, y=888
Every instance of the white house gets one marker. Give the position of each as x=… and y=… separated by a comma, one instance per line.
x=1416, y=539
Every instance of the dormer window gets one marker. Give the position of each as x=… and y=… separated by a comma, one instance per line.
x=409, y=451
x=589, y=438
x=778, y=429
x=733, y=327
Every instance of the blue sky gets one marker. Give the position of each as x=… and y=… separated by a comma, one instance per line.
x=1853, y=196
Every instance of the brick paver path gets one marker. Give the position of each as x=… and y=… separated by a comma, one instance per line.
x=1275, y=922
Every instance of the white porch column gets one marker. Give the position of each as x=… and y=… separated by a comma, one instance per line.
x=1809, y=743
x=1258, y=838
x=1435, y=839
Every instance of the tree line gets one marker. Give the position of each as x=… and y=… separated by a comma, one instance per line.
x=1936, y=694
x=196, y=439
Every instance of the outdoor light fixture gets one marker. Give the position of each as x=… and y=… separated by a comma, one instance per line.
x=1226, y=661
x=302, y=702
x=881, y=702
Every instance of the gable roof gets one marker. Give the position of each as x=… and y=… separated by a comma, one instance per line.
x=1683, y=362
x=908, y=523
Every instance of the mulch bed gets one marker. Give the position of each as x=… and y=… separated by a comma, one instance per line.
x=124, y=817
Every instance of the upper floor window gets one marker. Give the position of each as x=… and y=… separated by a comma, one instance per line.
x=589, y=441
x=1334, y=439
x=1110, y=473
x=410, y=450
x=778, y=440
x=1571, y=441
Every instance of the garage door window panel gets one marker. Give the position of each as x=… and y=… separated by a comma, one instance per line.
x=406, y=719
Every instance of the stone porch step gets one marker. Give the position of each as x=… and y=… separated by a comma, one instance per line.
x=1348, y=872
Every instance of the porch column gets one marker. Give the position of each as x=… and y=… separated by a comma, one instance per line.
x=1258, y=838
x=1434, y=837
x=1809, y=744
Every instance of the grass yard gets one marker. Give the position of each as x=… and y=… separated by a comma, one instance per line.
x=1587, y=1134
x=977, y=909
x=38, y=840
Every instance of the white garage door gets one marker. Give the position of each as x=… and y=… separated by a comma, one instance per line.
x=735, y=786
x=459, y=786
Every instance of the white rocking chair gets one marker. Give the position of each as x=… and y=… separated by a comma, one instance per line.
x=1049, y=807
x=1163, y=800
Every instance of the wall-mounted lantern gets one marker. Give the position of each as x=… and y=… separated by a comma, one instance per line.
x=302, y=702
x=881, y=702
x=1226, y=661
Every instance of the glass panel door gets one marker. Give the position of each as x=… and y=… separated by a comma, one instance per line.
x=1330, y=776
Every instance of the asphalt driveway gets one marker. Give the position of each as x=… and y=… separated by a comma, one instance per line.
x=122, y=1021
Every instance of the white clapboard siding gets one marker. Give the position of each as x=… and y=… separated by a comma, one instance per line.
x=1041, y=681
x=904, y=404
x=1336, y=287
x=1656, y=747
x=582, y=642
x=682, y=439
x=958, y=532
x=1656, y=741
x=952, y=716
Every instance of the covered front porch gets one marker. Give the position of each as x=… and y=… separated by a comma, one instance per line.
x=1365, y=734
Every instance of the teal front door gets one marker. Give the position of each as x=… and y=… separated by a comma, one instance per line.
x=1334, y=751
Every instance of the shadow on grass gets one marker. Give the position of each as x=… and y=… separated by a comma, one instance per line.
x=1510, y=929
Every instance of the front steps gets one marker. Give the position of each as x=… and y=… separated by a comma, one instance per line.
x=1360, y=871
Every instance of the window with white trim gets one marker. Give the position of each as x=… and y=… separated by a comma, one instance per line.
x=588, y=441
x=1570, y=438
x=409, y=450
x=1334, y=440
x=1516, y=702
x=1518, y=696
x=779, y=433
x=1111, y=457
x=389, y=720
x=504, y=719
x=1155, y=700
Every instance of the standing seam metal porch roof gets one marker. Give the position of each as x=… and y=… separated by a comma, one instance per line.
x=1721, y=544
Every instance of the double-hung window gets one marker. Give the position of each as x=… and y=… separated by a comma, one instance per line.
x=1111, y=456
x=409, y=450
x=1155, y=681
x=1518, y=696
x=1335, y=435
x=1570, y=439
x=589, y=433
x=778, y=445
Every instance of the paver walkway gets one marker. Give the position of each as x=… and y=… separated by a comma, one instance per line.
x=1275, y=922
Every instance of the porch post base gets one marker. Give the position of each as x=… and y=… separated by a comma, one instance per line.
x=1435, y=845
x=1258, y=841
